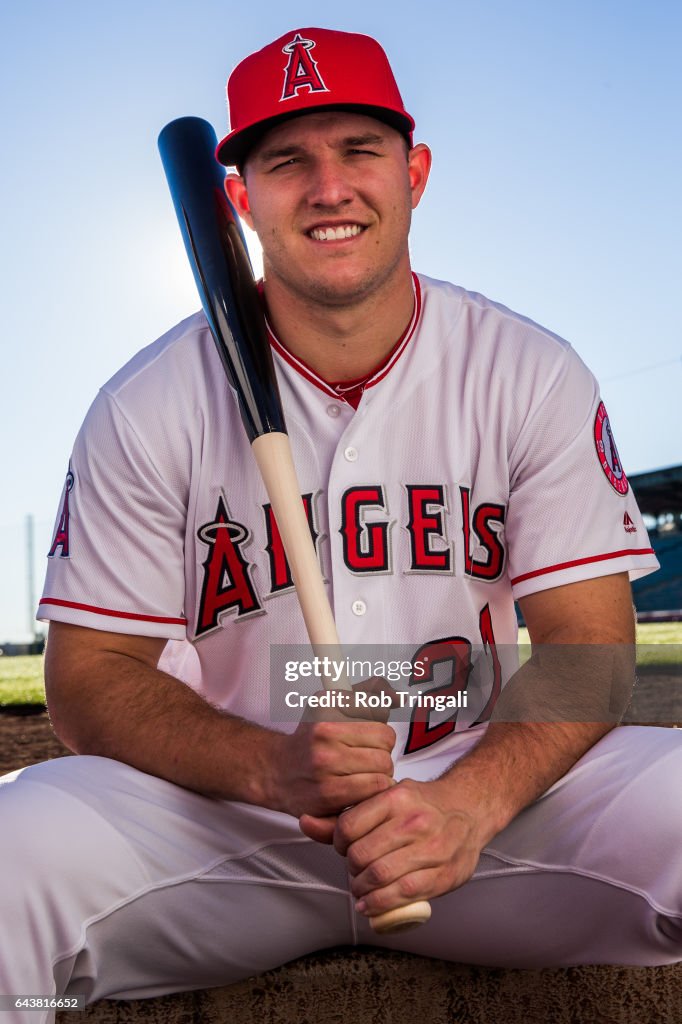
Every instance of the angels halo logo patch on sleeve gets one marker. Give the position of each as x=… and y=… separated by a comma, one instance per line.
x=607, y=452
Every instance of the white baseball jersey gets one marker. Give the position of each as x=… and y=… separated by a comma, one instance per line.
x=479, y=467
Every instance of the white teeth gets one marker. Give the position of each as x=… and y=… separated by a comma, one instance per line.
x=336, y=234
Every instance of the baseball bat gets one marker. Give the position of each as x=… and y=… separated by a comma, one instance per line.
x=224, y=277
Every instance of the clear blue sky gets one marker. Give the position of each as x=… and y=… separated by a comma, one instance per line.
x=555, y=127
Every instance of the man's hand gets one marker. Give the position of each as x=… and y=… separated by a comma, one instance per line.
x=409, y=843
x=420, y=840
x=334, y=759
x=107, y=697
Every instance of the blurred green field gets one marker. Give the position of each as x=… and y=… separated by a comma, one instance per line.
x=647, y=633
x=658, y=643
x=21, y=678
x=659, y=633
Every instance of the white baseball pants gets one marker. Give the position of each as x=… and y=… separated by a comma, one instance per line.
x=114, y=883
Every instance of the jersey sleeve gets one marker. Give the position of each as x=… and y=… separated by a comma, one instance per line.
x=116, y=560
x=572, y=514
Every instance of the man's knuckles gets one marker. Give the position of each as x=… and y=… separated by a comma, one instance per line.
x=338, y=792
x=377, y=875
x=381, y=762
x=358, y=857
x=345, y=833
x=411, y=887
x=367, y=785
x=332, y=759
x=325, y=731
x=351, y=733
x=323, y=761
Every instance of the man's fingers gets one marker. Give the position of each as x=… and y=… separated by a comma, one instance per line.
x=354, y=790
x=319, y=829
x=417, y=885
x=338, y=761
x=363, y=854
x=353, y=734
x=369, y=701
x=336, y=792
x=401, y=804
x=334, y=758
x=360, y=820
x=372, y=700
x=321, y=712
x=384, y=862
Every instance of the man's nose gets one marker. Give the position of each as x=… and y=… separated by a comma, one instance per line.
x=329, y=184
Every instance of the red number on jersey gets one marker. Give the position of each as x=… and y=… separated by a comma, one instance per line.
x=454, y=651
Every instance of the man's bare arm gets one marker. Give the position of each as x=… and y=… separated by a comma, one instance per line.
x=573, y=691
x=107, y=697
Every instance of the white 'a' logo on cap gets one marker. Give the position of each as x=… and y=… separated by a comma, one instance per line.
x=301, y=70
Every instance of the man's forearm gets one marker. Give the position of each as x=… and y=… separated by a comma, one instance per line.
x=107, y=697
x=564, y=699
x=132, y=712
x=514, y=764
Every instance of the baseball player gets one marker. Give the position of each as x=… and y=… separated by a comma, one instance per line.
x=453, y=457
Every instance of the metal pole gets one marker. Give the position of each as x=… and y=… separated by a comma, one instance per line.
x=30, y=575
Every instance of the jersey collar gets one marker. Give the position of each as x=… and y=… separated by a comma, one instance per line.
x=353, y=387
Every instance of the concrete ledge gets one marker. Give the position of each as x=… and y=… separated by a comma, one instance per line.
x=381, y=987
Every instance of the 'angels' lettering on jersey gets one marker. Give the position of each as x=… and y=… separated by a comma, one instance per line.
x=365, y=543
x=227, y=584
x=430, y=548
x=280, y=573
x=487, y=522
x=228, y=575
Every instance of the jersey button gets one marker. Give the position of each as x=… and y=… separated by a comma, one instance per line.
x=351, y=454
x=333, y=411
x=359, y=607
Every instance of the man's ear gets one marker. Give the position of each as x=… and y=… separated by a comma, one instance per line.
x=235, y=187
x=419, y=165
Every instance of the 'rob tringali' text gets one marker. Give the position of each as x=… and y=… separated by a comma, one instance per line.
x=347, y=699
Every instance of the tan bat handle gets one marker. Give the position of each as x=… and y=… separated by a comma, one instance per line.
x=273, y=455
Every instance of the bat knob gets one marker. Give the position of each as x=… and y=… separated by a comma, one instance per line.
x=402, y=918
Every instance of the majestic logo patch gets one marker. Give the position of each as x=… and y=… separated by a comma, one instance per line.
x=628, y=524
x=61, y=535
x=301, y=71
x=608, y=453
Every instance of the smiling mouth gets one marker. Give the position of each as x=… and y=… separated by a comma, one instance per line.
x=336, y=234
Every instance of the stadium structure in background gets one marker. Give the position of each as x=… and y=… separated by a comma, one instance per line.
x=658, y=597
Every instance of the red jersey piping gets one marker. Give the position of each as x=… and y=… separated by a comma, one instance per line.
x=381, y=371
x=580, y=561
x=114, y=614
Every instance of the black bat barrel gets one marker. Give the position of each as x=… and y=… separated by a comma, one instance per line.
x=222, y=270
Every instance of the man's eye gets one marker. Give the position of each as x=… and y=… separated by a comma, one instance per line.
x=292, y=160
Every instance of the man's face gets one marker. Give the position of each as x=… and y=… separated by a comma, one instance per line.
x=330, y=195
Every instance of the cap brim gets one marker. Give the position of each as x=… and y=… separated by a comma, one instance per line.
x=233, y=150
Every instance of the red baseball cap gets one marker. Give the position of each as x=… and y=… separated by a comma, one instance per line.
x=309, y=69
